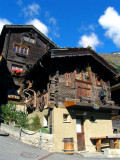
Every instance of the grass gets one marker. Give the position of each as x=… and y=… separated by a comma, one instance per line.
x=43, y=130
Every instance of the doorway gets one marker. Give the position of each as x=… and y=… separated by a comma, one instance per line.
x=80, y=133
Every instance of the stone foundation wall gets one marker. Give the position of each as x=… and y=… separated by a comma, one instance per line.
x=47, y=142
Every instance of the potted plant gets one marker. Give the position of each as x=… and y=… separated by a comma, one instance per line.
x=88, y=68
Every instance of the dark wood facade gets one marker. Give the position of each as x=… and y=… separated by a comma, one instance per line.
x=21, y=46
x=75, y=76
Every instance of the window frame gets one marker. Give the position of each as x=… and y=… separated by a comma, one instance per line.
x=16, y=46
x=67, y=119
x=99, y=83
x=89, y=73
x=29, y=39
x=17, y=67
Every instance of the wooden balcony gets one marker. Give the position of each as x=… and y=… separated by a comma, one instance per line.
x=77, y=103
x=14, y=97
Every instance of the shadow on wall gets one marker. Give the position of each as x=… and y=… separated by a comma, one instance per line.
x=6, y=81
x=90, y=113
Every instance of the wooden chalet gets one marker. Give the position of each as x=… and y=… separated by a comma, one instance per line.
x=70, y=90
x=20, y=46
x=115, y=93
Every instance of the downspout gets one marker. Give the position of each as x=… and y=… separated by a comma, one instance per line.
x=51, y=120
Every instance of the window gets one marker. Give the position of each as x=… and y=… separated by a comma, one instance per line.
x=69, y=79
x=16, y=67
x=84, y=76
x=66, y=118
x=14, y=93
x=16, y=70
x=99, y=81
x=29, y=39
x=20, y=49
x=78, y=74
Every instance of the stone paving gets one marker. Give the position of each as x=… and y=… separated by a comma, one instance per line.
x=12, y=149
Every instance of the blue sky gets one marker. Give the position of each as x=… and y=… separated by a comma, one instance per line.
x=69, y=23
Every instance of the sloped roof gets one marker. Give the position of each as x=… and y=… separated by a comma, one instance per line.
x=6, y=28
x=73, y=52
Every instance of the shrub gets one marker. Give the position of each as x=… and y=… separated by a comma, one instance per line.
x=21, y=119
x=35, y=125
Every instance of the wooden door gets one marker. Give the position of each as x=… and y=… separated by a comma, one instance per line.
x=80, y=134
x=83, y=90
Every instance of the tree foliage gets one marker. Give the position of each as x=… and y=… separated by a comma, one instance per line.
x=10, y=114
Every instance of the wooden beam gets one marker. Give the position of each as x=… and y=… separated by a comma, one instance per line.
x=69, y=103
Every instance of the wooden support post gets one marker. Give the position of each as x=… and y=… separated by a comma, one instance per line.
x=98, y=145
x=116, y=143
x=111, y=142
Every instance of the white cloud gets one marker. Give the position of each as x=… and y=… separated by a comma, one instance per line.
x=89, y=40
x=39, y=25
x=31, y=10
x=111, y=22
x=53, y=27
x=19, y=3
x=52, y=20
x=3, y=22
x=86, y=27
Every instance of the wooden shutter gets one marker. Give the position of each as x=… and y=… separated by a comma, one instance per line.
x=66, y=79
x=83, y=90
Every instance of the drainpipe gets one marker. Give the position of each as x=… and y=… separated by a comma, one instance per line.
x=51, y=120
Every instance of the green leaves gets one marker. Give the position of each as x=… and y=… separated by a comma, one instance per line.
x=10, y=114
x=21, y=118
x=35, y=125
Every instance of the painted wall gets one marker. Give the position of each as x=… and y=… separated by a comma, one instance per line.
x=21, y=108
x=102, y=126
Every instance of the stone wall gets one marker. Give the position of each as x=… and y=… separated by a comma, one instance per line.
x=47, y=142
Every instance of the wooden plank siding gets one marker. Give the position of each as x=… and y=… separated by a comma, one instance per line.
x=70, y=88
x=36, y=51
x=14, y=37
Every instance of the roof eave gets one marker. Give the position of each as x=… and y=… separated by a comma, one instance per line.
x=88, y=53
x=7, y=27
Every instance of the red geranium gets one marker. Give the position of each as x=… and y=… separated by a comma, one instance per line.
x=16, y=71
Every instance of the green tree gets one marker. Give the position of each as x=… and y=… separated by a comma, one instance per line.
x=8, y=112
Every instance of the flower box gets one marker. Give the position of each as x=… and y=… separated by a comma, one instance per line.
x=15, y=72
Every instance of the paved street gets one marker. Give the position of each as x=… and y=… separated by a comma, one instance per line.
x=12, y=149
